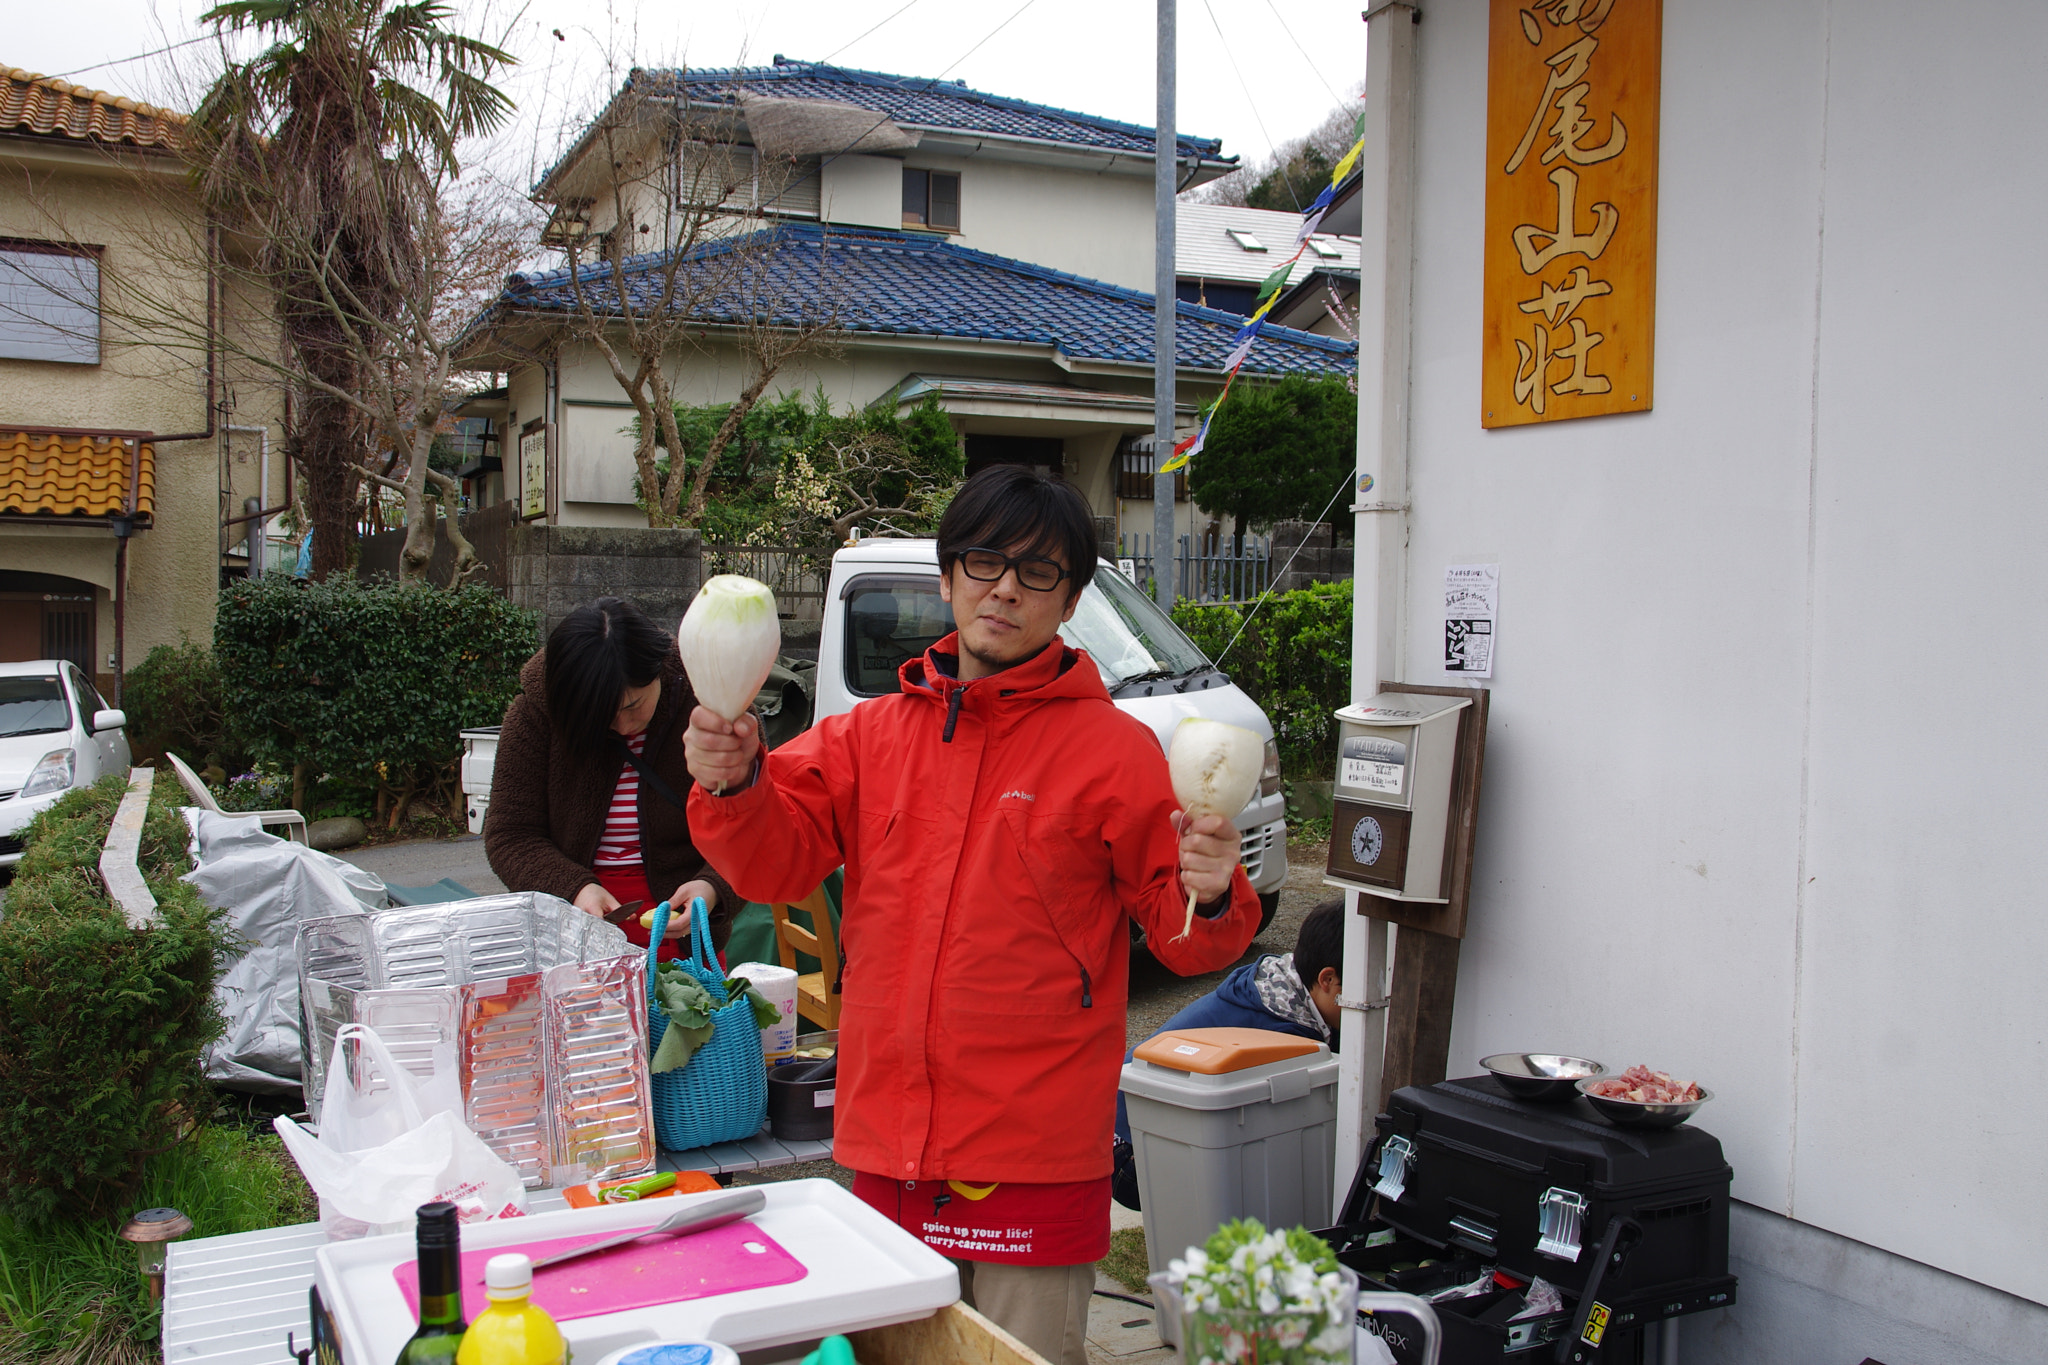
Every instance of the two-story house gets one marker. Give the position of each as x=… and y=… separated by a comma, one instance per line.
x=124, y=474
x=991, y=251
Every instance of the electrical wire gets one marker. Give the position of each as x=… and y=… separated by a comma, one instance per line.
x=1253, y=104
x=991, y=33
x=866, y=31
x=123, y=61
x=1311, y=62
x=1244, y=624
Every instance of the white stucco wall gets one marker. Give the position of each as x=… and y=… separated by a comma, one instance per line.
x=1763, y=798
x=864, y=191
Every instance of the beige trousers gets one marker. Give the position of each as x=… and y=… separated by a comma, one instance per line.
x=1043, y=1306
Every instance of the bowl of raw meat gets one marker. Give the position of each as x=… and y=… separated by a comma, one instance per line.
x=1642, y=1098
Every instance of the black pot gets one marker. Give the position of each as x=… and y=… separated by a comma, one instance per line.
x=800, y=1097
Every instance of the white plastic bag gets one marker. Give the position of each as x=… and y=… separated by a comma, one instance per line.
x=379, y=1156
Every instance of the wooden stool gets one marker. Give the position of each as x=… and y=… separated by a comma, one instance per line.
x=816, y=998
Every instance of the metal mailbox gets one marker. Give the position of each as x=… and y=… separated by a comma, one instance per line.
x=1392, y=816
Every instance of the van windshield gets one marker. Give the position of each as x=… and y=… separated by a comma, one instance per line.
x=1127, y=635
x=31, y=706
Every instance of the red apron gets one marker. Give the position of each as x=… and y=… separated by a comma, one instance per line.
x=1011, y=1223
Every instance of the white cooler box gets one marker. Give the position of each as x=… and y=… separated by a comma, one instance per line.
x=858, y=1270
x=1230, y=1123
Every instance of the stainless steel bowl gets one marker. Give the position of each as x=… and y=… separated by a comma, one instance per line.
x=1635, y=1114
x=1540, y=1075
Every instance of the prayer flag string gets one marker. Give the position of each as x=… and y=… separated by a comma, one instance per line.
x=1269, y=294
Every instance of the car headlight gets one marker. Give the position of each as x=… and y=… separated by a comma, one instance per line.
x=55, y=773
x=1269, y=775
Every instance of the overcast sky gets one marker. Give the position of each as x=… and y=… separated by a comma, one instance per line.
x=1262, y=79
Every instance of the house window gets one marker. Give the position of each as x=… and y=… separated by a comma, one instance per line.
x=49, y=302
x=1324, y=248
x=931, y=199
x=1244, y=239
x=1134, y=472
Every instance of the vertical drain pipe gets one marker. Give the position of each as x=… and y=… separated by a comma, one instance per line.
x=1379, y=509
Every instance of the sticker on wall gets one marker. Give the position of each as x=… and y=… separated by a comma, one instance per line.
x=1471, y=605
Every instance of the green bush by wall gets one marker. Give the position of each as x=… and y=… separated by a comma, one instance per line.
x=1294, y=660
x=368, y=684
x=101, y=1025
x=174, y=705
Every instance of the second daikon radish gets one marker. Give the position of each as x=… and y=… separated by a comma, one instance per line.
x=1215, y=767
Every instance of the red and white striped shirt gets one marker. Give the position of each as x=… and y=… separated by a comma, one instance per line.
x=620, y=844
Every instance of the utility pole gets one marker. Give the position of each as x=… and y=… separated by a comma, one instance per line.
x=1165, y=164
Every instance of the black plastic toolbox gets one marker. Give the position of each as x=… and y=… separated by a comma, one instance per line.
x=1466, y=1176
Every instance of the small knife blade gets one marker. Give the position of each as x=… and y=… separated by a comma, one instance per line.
x=711, y=1213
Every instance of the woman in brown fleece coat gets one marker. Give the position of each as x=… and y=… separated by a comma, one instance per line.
x=569, y=814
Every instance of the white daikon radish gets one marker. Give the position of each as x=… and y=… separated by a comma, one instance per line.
x=729, y=639
x=1215, y=768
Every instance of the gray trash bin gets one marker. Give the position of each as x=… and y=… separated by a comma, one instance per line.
x=1230, y=1123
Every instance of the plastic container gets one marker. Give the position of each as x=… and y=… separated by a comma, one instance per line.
x=860, y=1271
x=800, y=1100
x=778, y=987
x=513, y=1330
x=674, y=1353
x=1230, y=1123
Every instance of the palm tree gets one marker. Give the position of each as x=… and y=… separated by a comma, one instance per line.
x=313, y=152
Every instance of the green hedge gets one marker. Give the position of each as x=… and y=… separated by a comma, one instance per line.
x=368, y=684
x=1294, y=660
x=174, y=703
x=101, y=1025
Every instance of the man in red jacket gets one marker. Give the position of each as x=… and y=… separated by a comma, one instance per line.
x=998, y=819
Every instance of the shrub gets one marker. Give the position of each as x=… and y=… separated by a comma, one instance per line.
x=368, y=685
x=101, y=1025
x=1294, y=660
x=173, y=701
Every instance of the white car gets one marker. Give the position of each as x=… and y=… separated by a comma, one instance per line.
x=882, y=607
x=56, y=733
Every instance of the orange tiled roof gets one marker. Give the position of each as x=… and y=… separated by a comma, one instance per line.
x=45, y=475
x=30, y=103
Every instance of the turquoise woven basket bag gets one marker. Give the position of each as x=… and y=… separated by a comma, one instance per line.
x=721, y=1094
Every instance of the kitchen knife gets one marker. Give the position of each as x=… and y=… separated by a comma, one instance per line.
x=710, y=1213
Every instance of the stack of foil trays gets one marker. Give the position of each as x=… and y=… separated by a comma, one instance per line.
x=533, y=1012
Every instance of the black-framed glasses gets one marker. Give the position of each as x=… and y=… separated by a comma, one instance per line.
x=988, y=566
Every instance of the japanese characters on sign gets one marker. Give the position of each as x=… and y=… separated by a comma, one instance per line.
x=1571, y=209
x=533, y=470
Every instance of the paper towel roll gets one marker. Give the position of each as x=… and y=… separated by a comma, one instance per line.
x=777, y=985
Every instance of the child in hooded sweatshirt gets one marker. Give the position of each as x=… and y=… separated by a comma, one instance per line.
x=1283, y=992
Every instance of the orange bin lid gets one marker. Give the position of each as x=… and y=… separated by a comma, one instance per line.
x=1220, y=1051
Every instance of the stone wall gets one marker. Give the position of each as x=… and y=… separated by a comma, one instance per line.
x=555, y=569
x=1315, y=559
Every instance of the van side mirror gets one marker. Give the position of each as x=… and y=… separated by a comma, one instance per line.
x=108, y=720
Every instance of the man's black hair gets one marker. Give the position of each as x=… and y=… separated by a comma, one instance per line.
x=598, y=651
x=1320, y=942
x=1018, y=511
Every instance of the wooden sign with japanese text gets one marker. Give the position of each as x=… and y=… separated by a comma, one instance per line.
x=1571, y=208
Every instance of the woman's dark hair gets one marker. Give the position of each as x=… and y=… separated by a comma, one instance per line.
x=1320, y=942
x=597, y=652
x=1018, y=511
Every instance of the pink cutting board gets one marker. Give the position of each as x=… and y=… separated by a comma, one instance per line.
x=722, y=1260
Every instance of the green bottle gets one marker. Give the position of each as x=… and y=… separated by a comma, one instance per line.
x=439, y=1239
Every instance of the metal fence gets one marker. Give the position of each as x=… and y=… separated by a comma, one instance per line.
x=796, y=573
x=1208, y=568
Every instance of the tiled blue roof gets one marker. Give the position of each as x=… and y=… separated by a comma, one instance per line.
x=918, y=284
x=925, y=103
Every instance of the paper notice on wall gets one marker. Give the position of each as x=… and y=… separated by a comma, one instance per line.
x=1471, y=604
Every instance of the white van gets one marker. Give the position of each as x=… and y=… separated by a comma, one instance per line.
x=882, y=608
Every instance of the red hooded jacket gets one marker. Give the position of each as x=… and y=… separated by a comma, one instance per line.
x=995, y=834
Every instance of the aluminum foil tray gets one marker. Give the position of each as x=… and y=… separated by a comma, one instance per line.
x=535, y=1010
